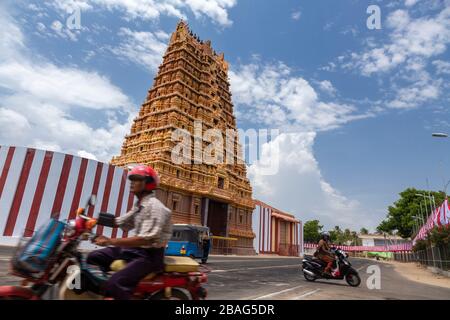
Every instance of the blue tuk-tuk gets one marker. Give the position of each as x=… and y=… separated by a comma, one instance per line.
x=191, y=241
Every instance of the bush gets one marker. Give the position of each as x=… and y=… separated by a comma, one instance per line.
x=420, y=245
x=440, y=236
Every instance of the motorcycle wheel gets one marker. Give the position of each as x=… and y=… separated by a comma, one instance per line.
x=309, y=277
x=177, y=294
x=353, y=279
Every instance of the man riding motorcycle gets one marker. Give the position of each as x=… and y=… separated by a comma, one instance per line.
x=324, y=253
x=143, y=252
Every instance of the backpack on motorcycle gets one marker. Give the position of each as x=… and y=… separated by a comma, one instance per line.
x=34, y=256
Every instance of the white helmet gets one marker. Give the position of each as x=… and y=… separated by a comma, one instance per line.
x=325, y=235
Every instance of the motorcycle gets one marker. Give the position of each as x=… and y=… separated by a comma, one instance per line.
x=313, y=269
x=180, y=280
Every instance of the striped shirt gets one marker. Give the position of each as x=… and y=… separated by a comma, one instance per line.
x=151, y=220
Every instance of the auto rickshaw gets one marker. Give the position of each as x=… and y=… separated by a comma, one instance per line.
x=191, y=241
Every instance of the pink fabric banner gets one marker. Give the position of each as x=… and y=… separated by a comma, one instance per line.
x=387, y=248
x=440, y=217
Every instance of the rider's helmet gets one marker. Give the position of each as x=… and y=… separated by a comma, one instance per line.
x=325, y=236
x=147, y=173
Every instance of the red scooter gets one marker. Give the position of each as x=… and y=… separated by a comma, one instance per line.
x=74, y=279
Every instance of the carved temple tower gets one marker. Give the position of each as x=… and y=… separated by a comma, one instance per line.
x=192, y=85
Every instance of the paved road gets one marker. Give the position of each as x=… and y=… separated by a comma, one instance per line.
x=261, y=278
x=281, y=278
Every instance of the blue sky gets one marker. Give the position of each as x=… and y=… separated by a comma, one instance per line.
x=355, y=107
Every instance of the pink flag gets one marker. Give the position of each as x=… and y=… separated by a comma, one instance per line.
x=447, y=211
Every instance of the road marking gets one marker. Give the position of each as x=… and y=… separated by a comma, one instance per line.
x=306, y=294
x=255, y=268
x=270, y=283
x=276, y=293
x=234, y=261
x=216, y=284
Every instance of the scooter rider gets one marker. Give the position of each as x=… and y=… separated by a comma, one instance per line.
x=143, y=252
x=324, y=253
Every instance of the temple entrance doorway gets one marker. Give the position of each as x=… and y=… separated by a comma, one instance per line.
x=215, y=216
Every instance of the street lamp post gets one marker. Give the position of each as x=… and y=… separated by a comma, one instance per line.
x=439, y=135
x=431, y=207
x=421, y=214
x=442, y=135
x=429, y=197
x=415, y=225
x=445, y=188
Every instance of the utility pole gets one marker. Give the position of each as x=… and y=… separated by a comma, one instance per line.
x=441, y=135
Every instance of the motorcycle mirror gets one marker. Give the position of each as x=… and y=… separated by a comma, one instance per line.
x=92, y=200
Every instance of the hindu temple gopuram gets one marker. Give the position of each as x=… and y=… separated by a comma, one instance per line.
x=192, y=85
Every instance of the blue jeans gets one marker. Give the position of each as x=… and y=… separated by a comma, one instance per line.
x=140, y=262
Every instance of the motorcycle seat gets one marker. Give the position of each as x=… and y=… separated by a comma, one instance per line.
x=171, y=264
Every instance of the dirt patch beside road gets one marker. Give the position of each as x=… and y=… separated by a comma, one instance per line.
x=415, y=272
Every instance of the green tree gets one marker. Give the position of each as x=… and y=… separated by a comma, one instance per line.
x=363, y=231
x=336, y=235
x=347, y=236
x=400, y=214
x=311, y=231
x=354, y=238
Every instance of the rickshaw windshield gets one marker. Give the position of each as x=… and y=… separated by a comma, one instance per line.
x=184, y=235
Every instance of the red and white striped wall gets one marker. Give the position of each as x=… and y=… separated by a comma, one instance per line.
x=267, y=224
x=36, y=183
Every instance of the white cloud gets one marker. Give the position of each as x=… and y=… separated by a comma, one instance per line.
x=38, y=98
x=327, y=87
x=41, y=27
x=442, y=67
x=216, y=10
x=296, y=15
x=70, y=5
x=13, y=123
x=269, y=95
x=65, y=86
x=57, y=26
x=299, y=187
x=410, y=3
x=11, y=37
x=87, y=155
x=58, y=29
x=144, y=48
x=410, y=39
x=418, y=92
x=353, y=30
x=404, y=57
x=330, y=67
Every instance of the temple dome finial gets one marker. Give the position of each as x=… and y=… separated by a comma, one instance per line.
x=181, y=24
